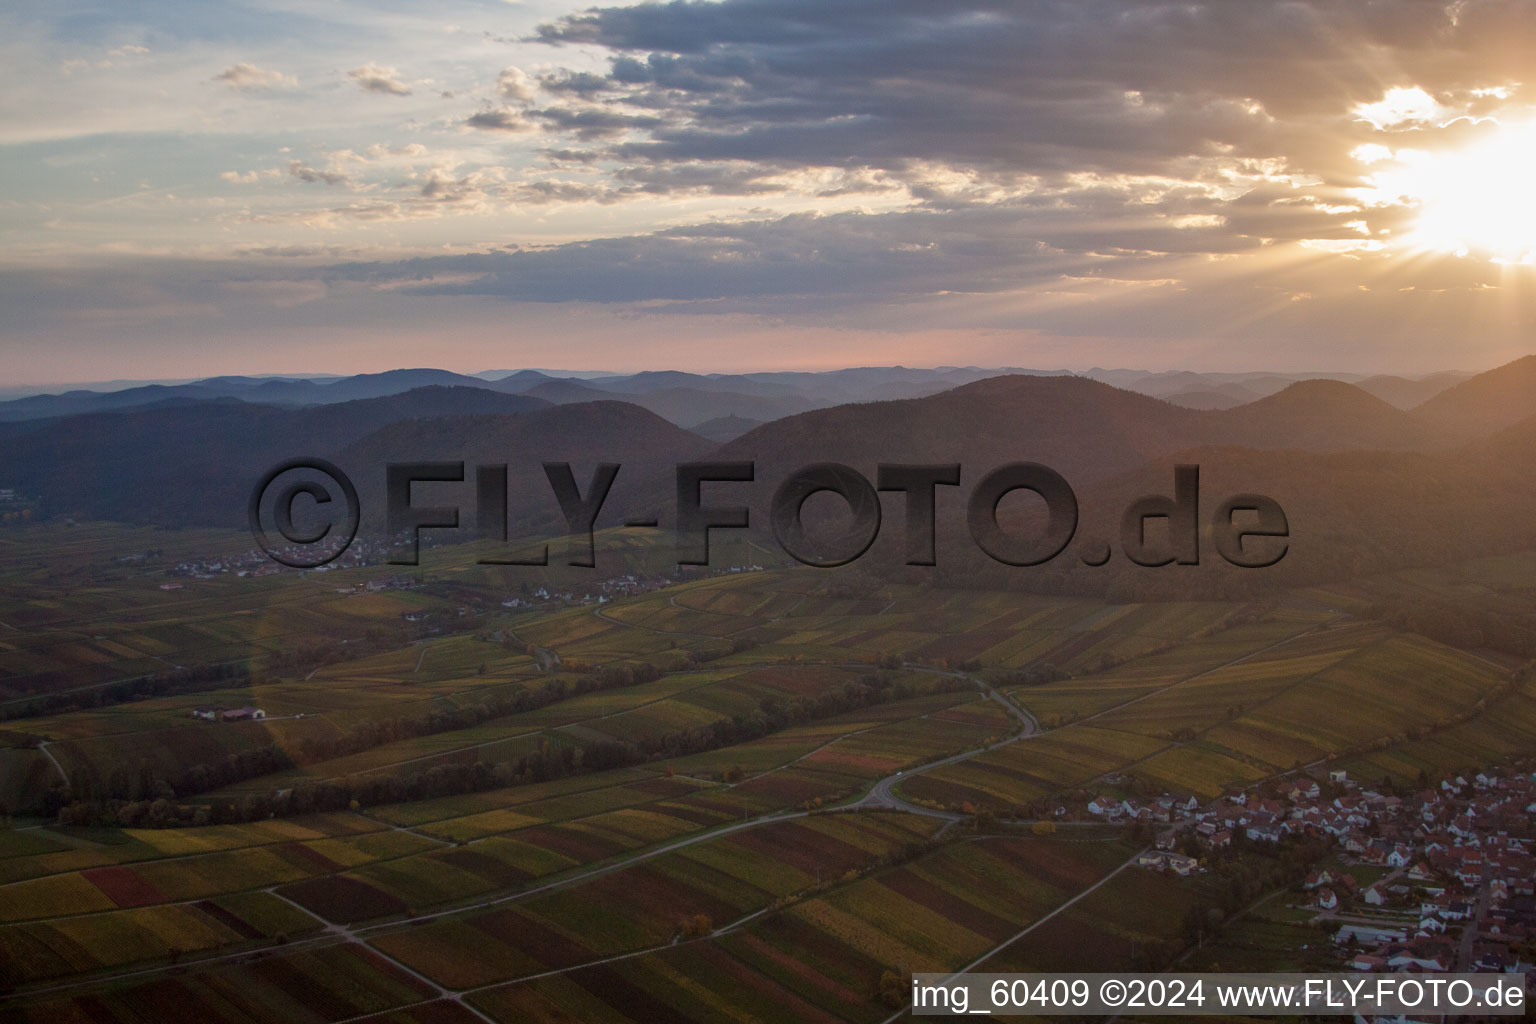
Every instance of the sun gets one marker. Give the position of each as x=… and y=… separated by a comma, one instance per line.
x=1478, y=201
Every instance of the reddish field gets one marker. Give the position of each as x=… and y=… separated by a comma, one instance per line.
x=581, y=847
x=124, y=886
x=227, y=919
x=298, y=853
x=784, y=788
x=797, y=679
x=342, y=900
x=662, y=787
x=646, y=894
x=963, y=646
x=547, y=947
x=803, y=848
x=499, y=873
x=609, y=985
x=862, y=764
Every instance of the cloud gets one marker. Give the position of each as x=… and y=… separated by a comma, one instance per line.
x=516, y=85
x=251, y=177
x=1001, y=89
x=250, y=78
x=499, y=119
x=1401, y=107
x=1162, y=167
x=374, y=78
x=303, y=172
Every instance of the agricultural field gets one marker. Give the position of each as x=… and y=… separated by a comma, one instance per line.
x=1225, y=712
x=751, y=792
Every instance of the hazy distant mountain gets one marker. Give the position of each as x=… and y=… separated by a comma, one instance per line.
x=1405, y=393
x=725, y=428
x=1076, y=426
x=1486, y=403
x=195, y=463
x=520, y=382
x=646, y=446
x=73, y=403
x=267, y=391
x=684, y=406
x=561, y=392
x=1205, y=400
x=652, y=381
x=1322, y=415
x=688, y=399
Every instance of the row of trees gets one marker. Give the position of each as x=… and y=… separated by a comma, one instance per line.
x=183, y=680
x=549, y=760
x=150, y=782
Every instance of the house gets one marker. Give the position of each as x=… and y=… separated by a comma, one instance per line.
x=1180, y=864
x=1326, y=899
x=1375, y=897
x=246, y=714
x=1305, y=789
x=1439, y=961
x=1261, y=833
x=206, y=714
x=1457, y=910
x=1105, y=807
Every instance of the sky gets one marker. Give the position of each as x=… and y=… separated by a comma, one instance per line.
x=275, y=186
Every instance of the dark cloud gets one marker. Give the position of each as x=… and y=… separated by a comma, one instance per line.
x=595, y=122
x=499, y=119
x=1045, y=87
x=303, y=172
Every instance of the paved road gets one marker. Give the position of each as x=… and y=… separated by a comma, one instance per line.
x=883, y=793
x=1464, y=954
x=43, y=746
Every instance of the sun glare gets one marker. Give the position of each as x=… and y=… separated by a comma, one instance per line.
x=1478, y=200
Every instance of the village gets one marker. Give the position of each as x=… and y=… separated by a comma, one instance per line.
x=1439, y=879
